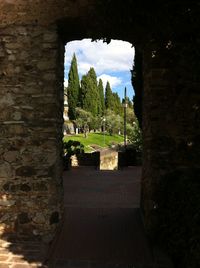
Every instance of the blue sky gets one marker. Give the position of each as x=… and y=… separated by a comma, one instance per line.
x=112, y=62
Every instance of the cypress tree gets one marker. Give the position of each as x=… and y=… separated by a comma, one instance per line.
x=84, y=89
x=108, y=96
x=93, y=76
x=89, y=92
x=116, y=104
x=101, y=108
x=73, y=88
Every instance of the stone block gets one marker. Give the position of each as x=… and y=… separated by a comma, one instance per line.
x=7, y=100
x=49, y=77
x=25, y=187
x=49, y=37
x=39, y=218
x=11, y=156
x=25, y=171
x=23, y=218
x=6, y=170
x=6, y=203
x=46, y=65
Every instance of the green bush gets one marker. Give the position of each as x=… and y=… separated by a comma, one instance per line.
x=135, y=137
x=70, y=148
x=73, y=147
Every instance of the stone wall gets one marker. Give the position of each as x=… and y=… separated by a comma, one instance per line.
x=170, y=116
x=31, y=106
x=31, y=113
x=171, y=167
x=86, y=159
x=108, y=160
x=41, y=12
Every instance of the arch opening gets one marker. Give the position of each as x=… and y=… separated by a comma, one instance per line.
x=99, y=75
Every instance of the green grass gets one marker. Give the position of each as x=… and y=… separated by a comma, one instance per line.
x=98, y=139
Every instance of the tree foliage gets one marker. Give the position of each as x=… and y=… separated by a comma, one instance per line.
x=89, y=107
x=112, y=100
x=113, y=122
x=83, y=120
x=73, y=88
x=101, y=107
x=116, y=105
x=89, y=92
x=108, y=96
x=135, y=136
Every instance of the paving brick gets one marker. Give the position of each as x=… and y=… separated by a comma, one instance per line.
x=4, y=265
x=4, y=258
x=102, y=221
x=22, y=266
x=102, y=227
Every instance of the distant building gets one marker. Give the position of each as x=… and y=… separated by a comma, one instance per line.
x=66, y=108
x=68, y=126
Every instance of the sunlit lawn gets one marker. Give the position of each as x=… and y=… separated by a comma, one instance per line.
x=99, y=139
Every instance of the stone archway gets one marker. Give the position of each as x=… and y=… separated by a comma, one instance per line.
x=32, y=37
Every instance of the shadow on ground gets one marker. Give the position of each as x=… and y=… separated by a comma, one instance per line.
x=102, y=227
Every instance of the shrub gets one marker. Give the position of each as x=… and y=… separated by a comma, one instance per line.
x=135, y=137
x=71, y=148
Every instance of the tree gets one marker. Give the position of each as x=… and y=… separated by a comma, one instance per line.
x=73, y=89
x=130, y=116
x=83, y=120
x=135, y=137
x=93, y=76
x=95, y=123
x=89, y=92
x=129, y=103
x=101, y=107
x=114, y=123
x=112, y=100
x=108, y=96
x=116, y=104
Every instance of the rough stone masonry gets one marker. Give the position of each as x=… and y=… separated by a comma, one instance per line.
x=31, y=125
x=31, y=115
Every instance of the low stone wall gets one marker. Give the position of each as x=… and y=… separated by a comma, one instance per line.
x=108, y=160
x=86, y=159
x=129, y=158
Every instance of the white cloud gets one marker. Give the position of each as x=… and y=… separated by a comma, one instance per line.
x=65, y=83
x=117, y=56
x=113, y=80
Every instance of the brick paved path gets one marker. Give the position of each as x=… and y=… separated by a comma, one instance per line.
x=102, y=226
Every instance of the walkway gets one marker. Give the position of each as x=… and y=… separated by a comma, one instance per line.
x=102, y=227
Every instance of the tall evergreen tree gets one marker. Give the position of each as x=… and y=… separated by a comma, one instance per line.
x=116, y=104
x=101, y=108
x=89, y=92
x=73, y=88
x=112, y=100
x=108, y=96
x=93, y=76
x=83, y=90
x=129, y=102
